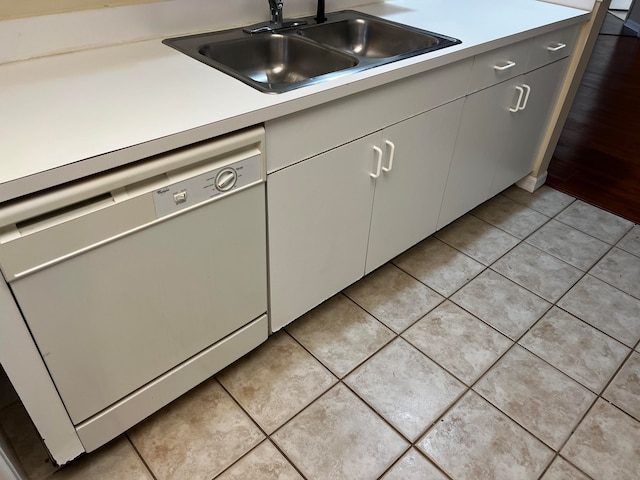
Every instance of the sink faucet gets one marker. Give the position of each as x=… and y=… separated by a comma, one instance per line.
x=276, y=7
x=277, y=20
x=320, y=16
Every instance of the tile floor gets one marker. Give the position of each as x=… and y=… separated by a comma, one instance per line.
x=503, y=347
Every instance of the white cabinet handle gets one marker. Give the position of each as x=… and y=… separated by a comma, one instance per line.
x=392, y=151
x=521, y=93
x=556, y=47
x=379, y=162
x=506, y=66
x=526, y=96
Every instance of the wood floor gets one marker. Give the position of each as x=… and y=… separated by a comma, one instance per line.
x=598, y=155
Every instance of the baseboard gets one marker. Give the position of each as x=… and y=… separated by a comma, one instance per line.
x=531, y=183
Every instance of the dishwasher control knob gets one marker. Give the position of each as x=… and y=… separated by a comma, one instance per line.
x=226, y=179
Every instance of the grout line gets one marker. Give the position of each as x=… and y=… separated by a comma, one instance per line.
x=142, y=459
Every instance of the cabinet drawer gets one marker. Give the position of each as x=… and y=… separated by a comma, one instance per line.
x=499, y=65
x=551, y=46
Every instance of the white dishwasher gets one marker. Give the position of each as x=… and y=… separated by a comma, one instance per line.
x=140, y=283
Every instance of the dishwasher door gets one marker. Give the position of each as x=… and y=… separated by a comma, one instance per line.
x=123, y=287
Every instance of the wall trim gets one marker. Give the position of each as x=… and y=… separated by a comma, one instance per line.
x=531, y=183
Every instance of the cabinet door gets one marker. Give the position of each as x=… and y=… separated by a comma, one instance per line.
x=319, y=212
x=485, y=133
x=528, y=125
x=408, y=195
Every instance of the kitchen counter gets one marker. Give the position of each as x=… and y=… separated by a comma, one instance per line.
x=68, y=116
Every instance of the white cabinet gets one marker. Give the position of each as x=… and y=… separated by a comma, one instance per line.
x=326, y=229
x=528, y=123
x=503, y=119
x=318, y=223
x=408, y=195
x=342, y=200
x=485, y=129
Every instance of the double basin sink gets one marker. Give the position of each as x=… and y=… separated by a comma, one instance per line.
x=277, y=62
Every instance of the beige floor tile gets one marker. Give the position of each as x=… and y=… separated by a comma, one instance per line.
x=540, y=398
x=545, y=200
x=393, y=297
x=620, y=269
x=595, y=221
x=264, y=462
x=405, y=387
x=569, y=245
x=560, y=469
x=481, y=241
x=196, y=436
x=339, y=436
x=340, y=334
x=276, y=381
x=439, y=266
x=577, y=349
x=115, y=461
x=605, y=445
x=510, y=216
x=538, y=271
x=26, y=442
x=501, y=303
x=413, y=466
x=606, y=308
x=458, y=341
x=631, y=241
x=476, y=441
x=624, y=390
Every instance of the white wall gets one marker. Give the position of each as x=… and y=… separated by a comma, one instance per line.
x=30, y=37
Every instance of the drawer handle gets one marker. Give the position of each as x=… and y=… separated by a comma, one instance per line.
x=379, y=162
x=521, y=93
x=556, y=47
x=506, y=66
x=392, y=151
x=526, y=96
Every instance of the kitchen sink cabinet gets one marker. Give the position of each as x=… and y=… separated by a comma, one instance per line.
x=409, y=194
x=318, y=224
x=344, y=201
x=341, y=214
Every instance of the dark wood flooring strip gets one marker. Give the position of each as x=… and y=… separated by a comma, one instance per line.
x=598, y=155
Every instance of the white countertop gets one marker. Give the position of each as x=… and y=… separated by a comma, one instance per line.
x=67, y=116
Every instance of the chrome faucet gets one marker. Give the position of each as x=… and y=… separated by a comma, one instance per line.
x=277, y=20
x=276, y=7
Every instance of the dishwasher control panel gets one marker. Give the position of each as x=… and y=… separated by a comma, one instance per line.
x=200, y=188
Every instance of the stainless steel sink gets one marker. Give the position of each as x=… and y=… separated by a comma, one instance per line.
x=370, y=38
x=276, y=61
x=346, y=43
